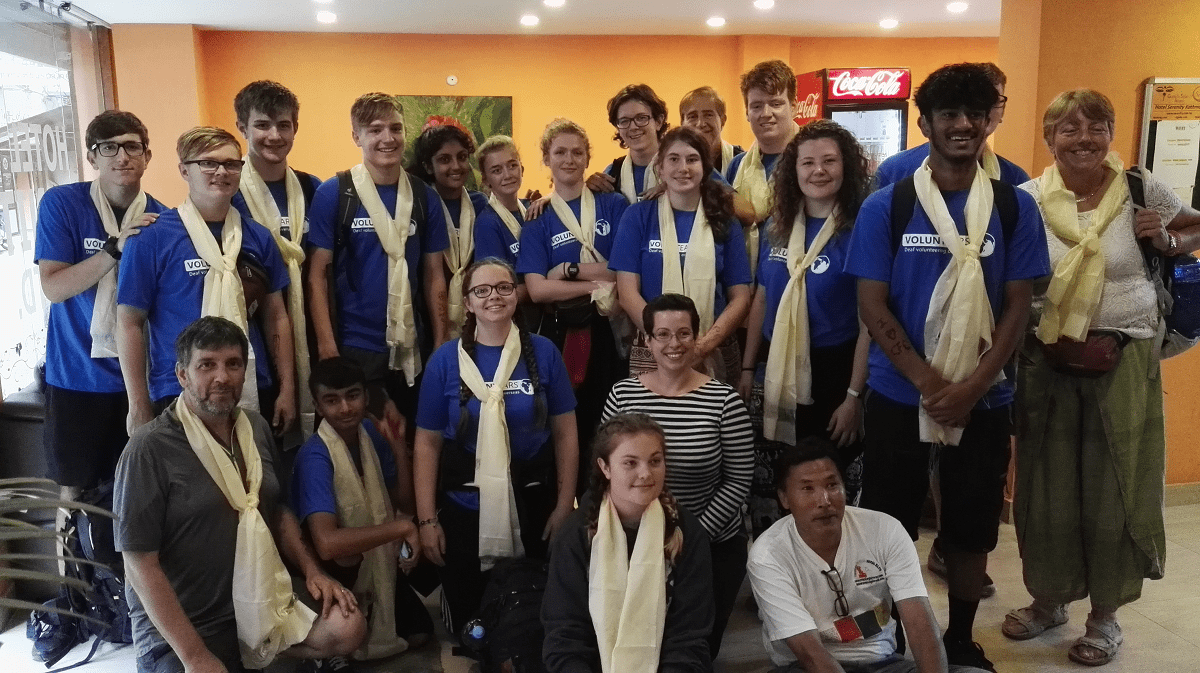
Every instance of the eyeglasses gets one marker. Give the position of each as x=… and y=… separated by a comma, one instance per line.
x=638, y=121
x=841, y=607
x=485, y=291
x=663, y=336
x=132, y=148
x=210, y=166
x=1001, y=103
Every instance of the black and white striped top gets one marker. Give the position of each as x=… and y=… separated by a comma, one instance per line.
x=710, y=448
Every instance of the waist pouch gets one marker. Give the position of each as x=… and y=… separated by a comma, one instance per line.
x=1091, y=358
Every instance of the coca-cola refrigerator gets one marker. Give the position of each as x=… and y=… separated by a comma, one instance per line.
x=871, y=102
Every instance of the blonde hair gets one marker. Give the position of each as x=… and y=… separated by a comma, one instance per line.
x=196, y=141
x=558, y=127
x=1092, y=104
x=372, y=106
x=495, y=144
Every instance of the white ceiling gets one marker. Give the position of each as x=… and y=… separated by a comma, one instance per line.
x=918, y=18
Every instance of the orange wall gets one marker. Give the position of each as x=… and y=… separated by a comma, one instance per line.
x=921, y=55
x=1020, y=33
x=1079, y=48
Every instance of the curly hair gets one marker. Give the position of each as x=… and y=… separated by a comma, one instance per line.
x=773, y=77
x=789, y=200
x=430, y=142
x=608, y=436
x=959, y=85
x=556, y=128
x=716, y=199
x=640, y=93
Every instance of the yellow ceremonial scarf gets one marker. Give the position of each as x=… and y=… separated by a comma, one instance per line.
x=103, y=327
x=726, y=154
x=393, y=232
x=696, y=277
x=1078, y=280
x=789, y=363
x=959, y=323
x=627, y=595
x=458, y=257
x=989, y=162
x=499, y=529
x=361, y=502
x=629, y=185
x=506, y=216
x=751, y=181
x=584, y=231
x=223, y=295
x=269, y=618
x=265, y=211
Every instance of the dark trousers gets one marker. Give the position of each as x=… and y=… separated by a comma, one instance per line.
x=729, y=570
x=411, y=616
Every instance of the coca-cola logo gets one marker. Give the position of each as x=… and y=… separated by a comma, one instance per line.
x=810, y=107
x=868, y=84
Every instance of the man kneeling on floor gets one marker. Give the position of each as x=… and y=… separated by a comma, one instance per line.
x=827, y=576
x=202, y=524
x=347, y=486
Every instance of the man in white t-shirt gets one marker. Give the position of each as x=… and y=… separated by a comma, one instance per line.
x=827, y=576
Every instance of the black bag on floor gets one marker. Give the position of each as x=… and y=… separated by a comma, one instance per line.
x=508, y=627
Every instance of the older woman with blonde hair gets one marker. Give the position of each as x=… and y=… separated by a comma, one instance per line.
x=1091, y=437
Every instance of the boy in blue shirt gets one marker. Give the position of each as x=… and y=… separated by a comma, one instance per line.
x=384, y=278
x=914, y=406
x=167, y=282
x=82, y=230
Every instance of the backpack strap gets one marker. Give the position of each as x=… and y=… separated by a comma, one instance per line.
x=616, y=171
x=347, y=208
x=306, y=186
x=1004, y=198
x=904, y=200
x=420, y=200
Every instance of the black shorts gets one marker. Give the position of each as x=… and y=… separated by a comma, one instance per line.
x=896, y=466
x=83, y=435
x=392, y=382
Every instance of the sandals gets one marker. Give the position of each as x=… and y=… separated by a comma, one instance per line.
x=1029, y=622
x=1103, y=637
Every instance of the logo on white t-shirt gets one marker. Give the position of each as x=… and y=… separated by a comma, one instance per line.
x=195, y=267
x=364, y=224
x=820, y=264
x=93, y=244
x=867, y=572
x=933, y=243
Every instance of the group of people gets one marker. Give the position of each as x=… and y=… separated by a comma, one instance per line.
x=386, y=381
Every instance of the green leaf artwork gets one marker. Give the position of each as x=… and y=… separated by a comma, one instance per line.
x=482, y=116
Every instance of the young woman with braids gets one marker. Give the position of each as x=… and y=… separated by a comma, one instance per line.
x=710, y=442
x=630, y=585
x=711, y=266
x=496, y=453
x=442, y=158
x=805, y=344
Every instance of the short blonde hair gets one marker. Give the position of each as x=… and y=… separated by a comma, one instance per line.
x=558, y=127
x=495, y=144
x=372, y=106
x=197, y=141
x=1092, y=104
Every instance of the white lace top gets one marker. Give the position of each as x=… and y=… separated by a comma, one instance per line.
x=1127, y=303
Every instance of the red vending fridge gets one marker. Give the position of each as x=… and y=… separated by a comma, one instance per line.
x=871, y=102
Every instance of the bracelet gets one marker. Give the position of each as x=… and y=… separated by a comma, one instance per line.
x=749, y=369
x=853, y=393
x=432, y=521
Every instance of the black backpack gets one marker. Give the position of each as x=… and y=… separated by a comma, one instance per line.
x=508, y=627
x=88, y=538
x=347, y=208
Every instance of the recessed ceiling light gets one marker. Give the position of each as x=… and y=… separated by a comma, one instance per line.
x=888, y=24
x=715, y=21
x=764, y=4
x=554, y=3
x=957, y=7
x=529, y=20
x=326, y=17
x=324, y=2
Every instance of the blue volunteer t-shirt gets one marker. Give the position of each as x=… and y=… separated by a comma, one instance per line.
x=312, y=474
x=69, y=230
x=438, y=404
x=360, y=266
x=918, y=262
x=639, y=176
x=493, y=239
x=545, y=242
x=768, y=161
x=479, y=202
x=832, y=294
x=638, y=249
x=163, y=275
x=903, y=164
x=278, y=190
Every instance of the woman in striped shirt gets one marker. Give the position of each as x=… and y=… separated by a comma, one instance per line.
x=710, y=443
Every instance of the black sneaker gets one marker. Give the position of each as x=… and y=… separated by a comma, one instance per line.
x=937, y=565
x=967, y=653
x=339, y=665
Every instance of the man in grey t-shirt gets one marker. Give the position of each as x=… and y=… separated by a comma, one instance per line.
x=178, y=533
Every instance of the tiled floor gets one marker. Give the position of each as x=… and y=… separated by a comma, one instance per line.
x=1162, y=630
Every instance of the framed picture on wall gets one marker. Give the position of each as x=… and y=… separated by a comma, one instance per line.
x=480, y=116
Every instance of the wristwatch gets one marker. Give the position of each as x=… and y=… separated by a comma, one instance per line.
x=110, y=246
x=572, y=271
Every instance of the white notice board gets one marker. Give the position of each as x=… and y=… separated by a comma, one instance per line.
x=1170, y=139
